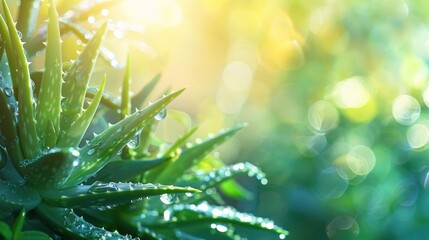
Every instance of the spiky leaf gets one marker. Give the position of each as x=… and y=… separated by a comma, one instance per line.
x=49, y=105
x=97, y=153
x=189, y=214
x=77, y=78
x=66, y=222
x=74, y=134
x=104, y=194
x=191, y=156
x=27, y=124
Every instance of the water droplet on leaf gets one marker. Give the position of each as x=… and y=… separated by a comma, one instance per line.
x=168, y=198
x=161, y=115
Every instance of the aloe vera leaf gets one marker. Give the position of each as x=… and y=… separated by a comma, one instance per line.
x=97, y=153
x=15, y=195
x=74, y=134
x=33, y=235
x=27, y=124
x=105, y=194
x=9, y=131
x=120, y=170
x=18, y=224
x=49, y=107
x=5, y=35
x=205, y=180
x=76, y=80
x=191, y=156
x=66, y=222
x=181, y=215
x=27, y=17
x=52, y=169
x=138, y=100
x=154, y=173
x=5, y=231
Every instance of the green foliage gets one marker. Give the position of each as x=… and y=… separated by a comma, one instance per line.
x=102, y=187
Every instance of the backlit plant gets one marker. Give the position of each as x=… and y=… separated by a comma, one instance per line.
x=101, y=187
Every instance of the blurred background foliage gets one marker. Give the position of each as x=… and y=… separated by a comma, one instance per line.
x=336, y=94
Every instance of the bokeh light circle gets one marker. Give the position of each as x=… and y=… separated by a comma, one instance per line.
x=361, y=160
x=323, y=116
x=406, y=109
x=418, y=136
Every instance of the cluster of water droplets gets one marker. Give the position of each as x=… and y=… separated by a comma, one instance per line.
x=80, y=226
x=222, y=217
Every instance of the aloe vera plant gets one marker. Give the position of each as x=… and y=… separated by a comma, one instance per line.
x=103, y=187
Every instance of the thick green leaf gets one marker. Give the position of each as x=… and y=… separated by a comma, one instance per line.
x=8, y=130
x=33, y=235
x=5, y=231
x=205, y=180
x=105, y=194
x=52, y=169
x=18, y=224
x=191, y=156
x=189, y=214
x=74, y=134
x=120, y=170
x=138, y=100
x=66, y=222
x=15, y=195
x=49, y=104
x=232, y=189
x=97, y=153
x=77, y=78
x=179, y=142
x=27, y=124
x=4, y=32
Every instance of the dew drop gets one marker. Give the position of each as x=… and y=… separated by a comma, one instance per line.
x=134, y=142
x=91, y=151
x=161, y=115
x=168, y=198
x=102, y=187
x=282, y=236
x=8, y=91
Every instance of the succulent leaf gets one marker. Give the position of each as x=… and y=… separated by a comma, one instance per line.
x=66, y=222
x=52, y=169
x=191, y=156
x=74, y=134
x=121, y=170
x=97, y=153
x=4, y=32
x=27, y=123
x=190, y=214
x=15, y=195
x=27, y=18
x=9, y=131
x=49, y=104
x=77, y=78
x=105, y=194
